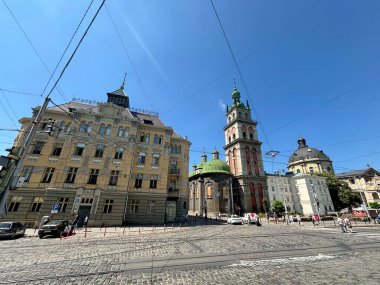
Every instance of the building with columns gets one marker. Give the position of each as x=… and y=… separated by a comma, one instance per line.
x=104, y=160
x=309, y=160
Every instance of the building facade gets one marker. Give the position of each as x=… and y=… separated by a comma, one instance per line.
x=210, y=186
x=366, y=182
x=102, y=160
x=279, y=188
x=308, y=160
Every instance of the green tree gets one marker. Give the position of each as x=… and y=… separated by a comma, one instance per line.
x=374, y=205
x=341, y=194
x=265, y=204
x=278, y=206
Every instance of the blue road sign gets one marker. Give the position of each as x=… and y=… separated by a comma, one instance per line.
x=55, y=207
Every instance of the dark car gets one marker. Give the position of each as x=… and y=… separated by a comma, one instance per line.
x=56, y=228
x=11, y=229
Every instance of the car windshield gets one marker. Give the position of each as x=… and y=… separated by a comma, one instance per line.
x=5, y=225
x=53, y=223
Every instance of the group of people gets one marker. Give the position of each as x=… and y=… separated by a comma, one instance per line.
x=289, y=219
x=345, y=225
x=76, y=220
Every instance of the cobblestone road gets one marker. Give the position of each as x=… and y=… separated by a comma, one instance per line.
x=208, y=254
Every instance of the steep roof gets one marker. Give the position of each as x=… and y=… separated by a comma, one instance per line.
x=363, y=172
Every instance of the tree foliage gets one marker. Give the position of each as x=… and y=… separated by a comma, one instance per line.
x=341, y=194
x=278, y=207
x=265, y=204
x=374, y=205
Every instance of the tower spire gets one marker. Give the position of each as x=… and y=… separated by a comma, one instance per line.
x=122, y=85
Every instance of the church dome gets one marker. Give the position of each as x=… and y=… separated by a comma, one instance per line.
x=305, y=152
x=216, y=166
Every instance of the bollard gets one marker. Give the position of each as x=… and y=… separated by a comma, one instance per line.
x=115, y=228
x=180, y=224
x=105, y=230
x=85, y=232
x=172, y=227
x=164, y=227
x=124, y=230
x=152, y=228
x=139, y=230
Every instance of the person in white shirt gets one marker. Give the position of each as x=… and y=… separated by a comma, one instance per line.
x=298, y=218
x=347, y=225
x=340, y=223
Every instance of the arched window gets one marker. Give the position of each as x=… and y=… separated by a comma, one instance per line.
x=253, y=197
x=244, y=135
x=209, y=192
x=108, y=130
x=102, y=129
x=234, y=136
x=197, y=192
x=251, y=136
x=298, y=171
x=119, y=153
x=230, y=161
x=234, y=161
x=90, y=127
x=126, y=133
x=255, y=162
x=261, y=195
x=83, y=127
x=120, y=131
x=229, y=139
x=247, y=157
x=375, y=196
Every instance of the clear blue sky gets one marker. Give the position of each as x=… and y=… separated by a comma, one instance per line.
x=311, y=68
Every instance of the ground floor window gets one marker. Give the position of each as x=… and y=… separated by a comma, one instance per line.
x=151, y=205
x=63, y=204
x=108, y=206
x=14, y=204
x=134, y=206
x=37, y=203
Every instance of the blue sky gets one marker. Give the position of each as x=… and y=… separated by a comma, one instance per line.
x=311, y=68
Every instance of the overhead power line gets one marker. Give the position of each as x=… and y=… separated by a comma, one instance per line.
x=240, y=73
x=67, y=46
x=33, y=47
x=19, y=92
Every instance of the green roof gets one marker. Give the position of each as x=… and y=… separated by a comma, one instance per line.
x=201, y=164
x=216, y=166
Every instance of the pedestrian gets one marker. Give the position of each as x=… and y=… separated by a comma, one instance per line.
x=258, y=222
x=85, y=221
x=298, y=218
x=291, y=220
x=347, y=225
x=340, y=223
x=267, y=215
x=275, y=217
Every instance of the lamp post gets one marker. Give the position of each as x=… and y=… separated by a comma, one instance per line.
x=361, y=190
x=316, y=201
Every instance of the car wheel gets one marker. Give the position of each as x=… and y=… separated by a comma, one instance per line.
x=40, y=236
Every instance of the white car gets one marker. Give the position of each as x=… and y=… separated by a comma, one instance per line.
x=250, y=218
x=234, y=219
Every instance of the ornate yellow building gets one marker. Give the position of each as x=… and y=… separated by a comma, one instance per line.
x=308, y=160
x=104, y=161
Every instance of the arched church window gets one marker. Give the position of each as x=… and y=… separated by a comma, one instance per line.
x=108, y=130
x=244, y=135
x=90, y=126
x=239, y=115
x=229, y=119
x=120, y=132
x=375, y=196
x=197, y=193
x=102, y=129
x=209, y=192
x=251, y=136
x=298, y=171
x=229, y=139
x=234, y=136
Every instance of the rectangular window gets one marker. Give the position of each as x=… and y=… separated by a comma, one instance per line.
x=99, y=150
x=156, y=160
x=72, y=173
x=114, y=177
x=141, y=159
x=27, y=172
x=273, y=188
x=94, y=173
x=153, y=182
x=142, y=137
x=38, y=147
x=157, y=139
x=108, y=206
x=274, y=197
x=138, y=180
x=151, y=205
x=134, y=206
x=48, y=175
x=37, y=203
x=14, y=204
x=120, y=132
x=63, y=204
x=126, y=133
x=57, y=149
x=147, y=138
x=79, y=149
x=119, y=153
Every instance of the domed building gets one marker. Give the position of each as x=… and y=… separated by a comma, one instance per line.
x=309, y=160
x=210, y=185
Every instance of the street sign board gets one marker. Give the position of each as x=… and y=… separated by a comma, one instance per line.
x=55, y=208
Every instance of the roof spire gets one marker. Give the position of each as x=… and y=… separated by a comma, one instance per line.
x=248, y=107
x=122, y=85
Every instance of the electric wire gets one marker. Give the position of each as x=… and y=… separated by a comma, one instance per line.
x=19, y=92
x=240, y=74
x=9, y=106
x=128, y=56
x=33, y=47
x=67, y=47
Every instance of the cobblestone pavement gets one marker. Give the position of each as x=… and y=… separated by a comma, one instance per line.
x=207, y=254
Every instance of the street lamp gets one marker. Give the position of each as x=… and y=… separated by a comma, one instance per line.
x=316, y=201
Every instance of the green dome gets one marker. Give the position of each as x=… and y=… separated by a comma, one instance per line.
x=236, y=94
x=192, y=173
x=216, y=166
x=201, y=164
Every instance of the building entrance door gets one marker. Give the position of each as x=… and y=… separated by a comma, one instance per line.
x=83, y=212
x=171, y=211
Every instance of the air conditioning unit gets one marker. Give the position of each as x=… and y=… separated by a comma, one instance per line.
x=20, y=182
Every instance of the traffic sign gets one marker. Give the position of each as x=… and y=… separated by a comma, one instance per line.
x=55, y=208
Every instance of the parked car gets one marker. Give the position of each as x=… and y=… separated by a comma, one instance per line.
x=11, y=229
x=377, y=220
x=250, y=218
x=234, y=219
x=56, y=228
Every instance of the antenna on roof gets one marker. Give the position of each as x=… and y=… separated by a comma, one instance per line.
x=122, y=85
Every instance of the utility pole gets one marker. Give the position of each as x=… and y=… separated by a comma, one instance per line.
x=16, y=171
x=316, y=202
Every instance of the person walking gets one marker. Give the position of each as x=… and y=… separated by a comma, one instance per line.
x=275, y=217
x=75, y=221
x=291, y=222
x=267, y=215
x=340, y=223
x=85, y=221
x=347, y=225
x=298, y=218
